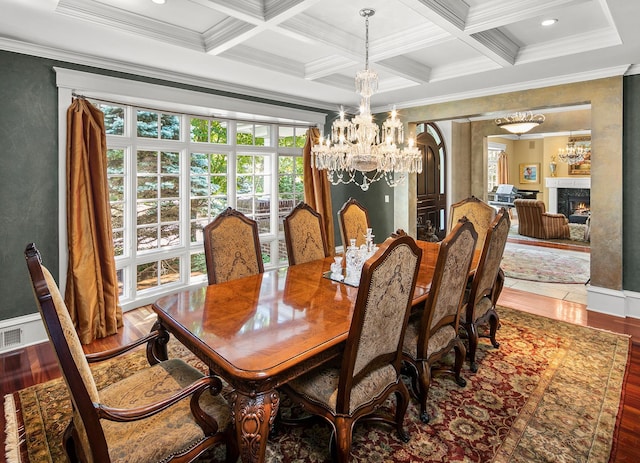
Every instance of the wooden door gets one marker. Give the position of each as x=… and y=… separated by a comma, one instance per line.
x=432, y=200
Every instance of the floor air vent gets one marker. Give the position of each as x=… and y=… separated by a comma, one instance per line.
x=11, y=337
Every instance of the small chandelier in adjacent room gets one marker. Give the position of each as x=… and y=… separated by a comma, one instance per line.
x=572, y=154
x=355, y=148
x=520, y=122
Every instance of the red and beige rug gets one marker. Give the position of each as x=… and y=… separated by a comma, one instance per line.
x=551, y=392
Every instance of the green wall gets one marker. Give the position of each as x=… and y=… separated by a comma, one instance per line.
x=631, y=185
x=28, y=175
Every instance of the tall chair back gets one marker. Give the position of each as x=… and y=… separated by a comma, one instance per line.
x=353, y=220
x=480, y=303
x=479, y=213
x=304, y=235
x=232, y=247
x=432, y=333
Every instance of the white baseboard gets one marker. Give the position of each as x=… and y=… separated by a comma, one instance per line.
x=613, y=302
x=19, y=332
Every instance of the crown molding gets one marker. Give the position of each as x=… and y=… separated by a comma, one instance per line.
x=160, y=74
x=520, y=86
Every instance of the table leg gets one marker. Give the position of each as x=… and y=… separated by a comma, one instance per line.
x=254, y=415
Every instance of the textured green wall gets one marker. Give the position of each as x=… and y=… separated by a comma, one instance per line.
x=28, y=175
x=631, y=191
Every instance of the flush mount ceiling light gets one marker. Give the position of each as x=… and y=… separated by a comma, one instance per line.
x=355, y=152
x=548, y=22
x=520, y=122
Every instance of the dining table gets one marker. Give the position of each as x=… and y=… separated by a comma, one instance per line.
x=261, y=331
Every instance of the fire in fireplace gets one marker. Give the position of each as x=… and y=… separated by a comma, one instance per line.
x=574, y=203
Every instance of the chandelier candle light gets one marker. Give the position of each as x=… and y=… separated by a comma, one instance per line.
x=354, y=146
x=572, y=154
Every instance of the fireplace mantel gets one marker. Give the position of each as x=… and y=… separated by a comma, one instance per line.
x=553, y=183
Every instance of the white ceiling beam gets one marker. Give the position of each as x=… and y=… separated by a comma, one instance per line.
x=116, y=18
x=498, y=13
x=265, y=60
x=407, y=68
x=452, y=16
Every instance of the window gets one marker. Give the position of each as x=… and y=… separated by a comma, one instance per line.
x=170, y=174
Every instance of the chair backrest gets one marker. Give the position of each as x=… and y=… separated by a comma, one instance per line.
x=489, y=263
x=304, y=235
x=353, y=220
x=449, y=282
x=70, y=355
x=479, y=213
x=529, y=213
x=232, y=247
x=380, y=315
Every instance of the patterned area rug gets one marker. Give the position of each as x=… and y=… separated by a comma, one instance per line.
x=551, y=392
x=545, y=265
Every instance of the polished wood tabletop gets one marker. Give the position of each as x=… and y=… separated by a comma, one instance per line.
x=261, y=331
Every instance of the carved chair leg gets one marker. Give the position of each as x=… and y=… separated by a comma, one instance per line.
x=424, y=373
x=343, y=438
x=402, y=403
x=494, y=322
x=461, y=353
x=472, y=331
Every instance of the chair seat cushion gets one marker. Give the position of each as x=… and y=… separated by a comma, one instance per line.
x=438, y=340
x=482, y=307
x=156, y=438
x=321, y=386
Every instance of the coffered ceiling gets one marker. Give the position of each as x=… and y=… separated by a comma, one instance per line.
x=308, y=51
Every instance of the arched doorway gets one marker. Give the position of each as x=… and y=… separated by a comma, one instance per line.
x=431, y=187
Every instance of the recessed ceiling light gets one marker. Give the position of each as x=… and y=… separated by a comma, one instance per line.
x=159, y=2
x=549, y=22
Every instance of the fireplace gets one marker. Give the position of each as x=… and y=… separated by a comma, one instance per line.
x=574, y=202
x=566, y=194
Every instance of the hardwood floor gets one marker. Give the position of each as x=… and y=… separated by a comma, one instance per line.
x=35, y=364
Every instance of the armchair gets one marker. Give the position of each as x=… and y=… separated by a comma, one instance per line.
x=167, y=412
x=535, y=222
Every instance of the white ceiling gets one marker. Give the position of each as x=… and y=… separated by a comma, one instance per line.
x=308, y=51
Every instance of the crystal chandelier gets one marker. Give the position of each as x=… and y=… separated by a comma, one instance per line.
x=520, y=122
x=572, y=154
x=354, y=149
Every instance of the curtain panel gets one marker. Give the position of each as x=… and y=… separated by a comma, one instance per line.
x=317, y=189
x=92, y=285
x=503, y=168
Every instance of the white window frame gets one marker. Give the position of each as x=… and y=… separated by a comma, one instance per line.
x=171, y=100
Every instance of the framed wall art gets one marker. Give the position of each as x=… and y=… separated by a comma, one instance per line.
x=530, y=173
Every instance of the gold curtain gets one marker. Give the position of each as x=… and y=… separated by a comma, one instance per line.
x=92, y=285
x=317, y=189
x=503, y=168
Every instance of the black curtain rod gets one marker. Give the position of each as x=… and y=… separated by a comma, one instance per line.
x=199, y=116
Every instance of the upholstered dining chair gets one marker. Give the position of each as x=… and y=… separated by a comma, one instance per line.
x=304, y=235
x=479, y=213
x=232, y=247
x=534, y=221
x=167, y=412
x=353, y=386
x=353, y=220
x=480, y=301
x=433, y=331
